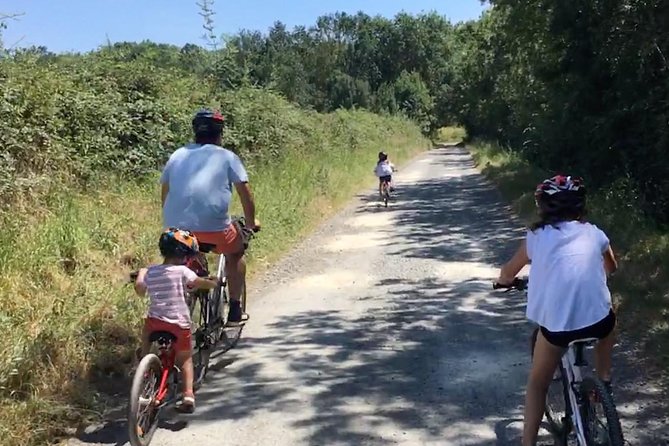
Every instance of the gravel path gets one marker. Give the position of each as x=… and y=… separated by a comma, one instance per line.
x=380, y=328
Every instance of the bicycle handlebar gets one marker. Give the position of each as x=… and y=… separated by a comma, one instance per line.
x=517, y=284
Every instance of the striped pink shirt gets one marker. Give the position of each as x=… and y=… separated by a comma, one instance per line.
x=166, y=287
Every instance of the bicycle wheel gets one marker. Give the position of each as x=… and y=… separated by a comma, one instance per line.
x=557, y=400
x=231, y=334
x=599, y=415
x=200, y=340
x=142, y=412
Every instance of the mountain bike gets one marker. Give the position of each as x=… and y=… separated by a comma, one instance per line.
x=156, y=379
x=576, y=396
x=210, y=310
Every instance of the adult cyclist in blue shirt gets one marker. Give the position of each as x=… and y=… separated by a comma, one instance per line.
x=197, y=187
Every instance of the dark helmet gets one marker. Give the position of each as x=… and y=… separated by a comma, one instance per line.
x=177, y=243
x=208, y=121
x=561, y=195
x=383, y=156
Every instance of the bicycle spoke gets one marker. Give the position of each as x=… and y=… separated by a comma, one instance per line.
x=147, y=406
x=143, y=409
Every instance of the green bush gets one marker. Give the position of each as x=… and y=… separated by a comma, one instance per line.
x=79, y=179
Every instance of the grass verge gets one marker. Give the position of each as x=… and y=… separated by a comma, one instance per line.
x=70, y=322
x=451, y=134
x=641, y=285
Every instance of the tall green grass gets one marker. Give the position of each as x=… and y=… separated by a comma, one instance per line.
x=641, y=286
x=70, y=323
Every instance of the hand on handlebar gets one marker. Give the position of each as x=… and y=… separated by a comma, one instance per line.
x=517, y=284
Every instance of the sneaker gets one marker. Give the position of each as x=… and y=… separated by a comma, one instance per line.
x=186, y=405
x=236, y=315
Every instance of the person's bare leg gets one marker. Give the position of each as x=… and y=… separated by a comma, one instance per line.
x=603, y=356
x=235, y=271
x=546, y=360
x=184, y=360
x=380, y=189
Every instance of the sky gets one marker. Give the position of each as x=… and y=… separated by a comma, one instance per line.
x=84, y=25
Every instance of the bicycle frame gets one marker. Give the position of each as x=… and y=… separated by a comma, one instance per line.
x=214, y=301
x=573, y=362
x=167, y=356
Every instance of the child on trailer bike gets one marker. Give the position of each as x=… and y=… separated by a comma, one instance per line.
x=384, y=170
x=167, y=285
x=568, y=296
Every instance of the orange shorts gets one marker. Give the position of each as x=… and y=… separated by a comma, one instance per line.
x=183, y=334
x=227, y=241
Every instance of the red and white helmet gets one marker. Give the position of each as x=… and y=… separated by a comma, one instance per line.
x=561, y=193
x=560, y=183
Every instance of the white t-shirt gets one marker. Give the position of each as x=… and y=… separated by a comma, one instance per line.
x=567, y=289
x=384, y=169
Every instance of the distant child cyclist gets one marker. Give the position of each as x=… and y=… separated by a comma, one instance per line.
x=384, y=170
x=568, y=296
x=166, y=285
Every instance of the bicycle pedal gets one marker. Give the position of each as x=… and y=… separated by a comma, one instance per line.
x=235, y=324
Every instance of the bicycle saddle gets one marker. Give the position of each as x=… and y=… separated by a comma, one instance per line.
x=206, y=247
x=162, y=337
x=584, y=341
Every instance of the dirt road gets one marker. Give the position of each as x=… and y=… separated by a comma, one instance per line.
x=381, y=328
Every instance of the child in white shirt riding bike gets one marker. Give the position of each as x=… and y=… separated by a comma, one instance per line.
x=384, y=171
x=568, y=296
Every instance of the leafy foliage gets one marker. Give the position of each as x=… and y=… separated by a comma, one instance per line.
x=577, y=85
x=81, y=140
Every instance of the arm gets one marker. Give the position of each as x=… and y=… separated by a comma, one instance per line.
x=192, y=280
x=203, y=283
x=165, y=188
x=511, y=268
x=246, y=197
x=165, y=181
x=610, y=262
x=240, y=179
x=140, y=283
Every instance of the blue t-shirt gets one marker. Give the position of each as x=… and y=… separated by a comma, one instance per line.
x=200, y=179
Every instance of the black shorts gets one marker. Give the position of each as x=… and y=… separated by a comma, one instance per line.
x=600, y=330
x=385, y=179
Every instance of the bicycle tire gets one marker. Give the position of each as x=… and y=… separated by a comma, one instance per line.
x=201, y=349
x=231, y=334
x=614, y=430
x=150, y=363
x=557, y=401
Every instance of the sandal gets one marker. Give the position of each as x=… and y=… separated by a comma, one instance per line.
x=186, y=405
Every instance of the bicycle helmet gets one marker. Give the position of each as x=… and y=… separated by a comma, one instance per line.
x=561, y=195
x=208, y=121
x=383, y=156
x=177, y=243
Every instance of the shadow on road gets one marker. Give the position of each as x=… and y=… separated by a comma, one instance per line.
x=441, y=357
